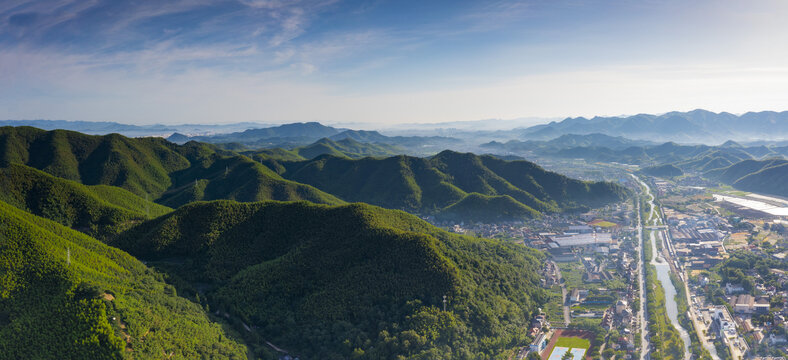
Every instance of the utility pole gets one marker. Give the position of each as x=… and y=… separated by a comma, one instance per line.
x=68, y=257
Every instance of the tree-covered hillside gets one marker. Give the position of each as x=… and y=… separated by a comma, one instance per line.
x=64, y=295
x=150, y=167
x=352, y=281
x=98, y=210
x=764, y=176
x=346, y=147
x=432, y=185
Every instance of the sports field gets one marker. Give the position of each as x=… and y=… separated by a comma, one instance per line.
x=577, y=346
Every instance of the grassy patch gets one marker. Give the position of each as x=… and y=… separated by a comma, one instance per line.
x=573, y=343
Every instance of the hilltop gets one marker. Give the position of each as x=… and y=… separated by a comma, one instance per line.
x=349, y=281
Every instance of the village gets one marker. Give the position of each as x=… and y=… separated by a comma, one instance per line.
x=733, y=259
x=730, y=258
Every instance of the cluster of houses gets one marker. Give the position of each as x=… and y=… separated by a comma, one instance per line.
x=539, y=332
x=697, y=238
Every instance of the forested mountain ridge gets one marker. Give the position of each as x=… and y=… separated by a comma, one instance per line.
x=356, y=280
x=432, y=185
x=98, y=210
x=763, y=176
x=65, y=295
x=150, y=167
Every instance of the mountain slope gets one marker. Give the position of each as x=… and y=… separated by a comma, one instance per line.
x=214, y=175
x=762, y=176
x=426, y=186
x=150, y=167
x=501, y=207
x=66, y=295
x=350, y=281
x=98, y=210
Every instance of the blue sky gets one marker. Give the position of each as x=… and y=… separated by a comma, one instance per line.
x=386, y=62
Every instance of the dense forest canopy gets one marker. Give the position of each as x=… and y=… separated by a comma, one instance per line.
x=322, y=280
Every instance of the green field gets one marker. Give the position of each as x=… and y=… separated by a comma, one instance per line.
x=573, y=343
x=572, y=273
x=554, y=306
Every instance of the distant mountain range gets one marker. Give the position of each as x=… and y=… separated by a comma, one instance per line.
x=297, y=135
x=697, y=126
x=107, y=127
x=566, y=141
x=686, y=157
x=693, y=126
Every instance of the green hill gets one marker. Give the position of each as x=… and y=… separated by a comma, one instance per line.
x=761, y=176
x=346, y=147
x=351, y=281
x=98, y=210
x=214, y=175
x=667, y=170
x=168, y=173
x=64, y=295
x=429, y=185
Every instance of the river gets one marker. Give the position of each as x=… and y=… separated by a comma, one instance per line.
x=663, y=275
